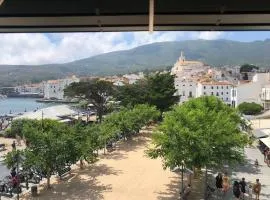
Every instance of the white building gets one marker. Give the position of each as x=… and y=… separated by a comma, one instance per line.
x=30, y=89
x=132, y=78
x=54, y=89
x=251, y=91
x=184, y=68
x=186, y=88
x=219, y=89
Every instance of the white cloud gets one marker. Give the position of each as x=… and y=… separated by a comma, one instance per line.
x=39, y=48
x=208, y=35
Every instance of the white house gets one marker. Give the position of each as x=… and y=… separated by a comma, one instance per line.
x=220, y=89
x=54, y=89
x=186, y=88
x=132, y=78
x=37, y=89
x=250, y=91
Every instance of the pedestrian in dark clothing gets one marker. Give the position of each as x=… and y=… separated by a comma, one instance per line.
x=219, y=181
x=243, y=185
x=13, y=172
x=13, y=145
x=236, y=189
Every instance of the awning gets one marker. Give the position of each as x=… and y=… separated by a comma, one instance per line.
x=261, y=133
x=266, y=141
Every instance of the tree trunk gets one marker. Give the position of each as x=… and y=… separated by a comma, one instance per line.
x=104, y=148
x=49, y=181
x=81, y=163
x=205, y=188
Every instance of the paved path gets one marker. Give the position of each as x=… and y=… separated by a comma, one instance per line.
x=250, y=173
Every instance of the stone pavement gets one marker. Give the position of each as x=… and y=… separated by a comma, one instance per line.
x=250, y=173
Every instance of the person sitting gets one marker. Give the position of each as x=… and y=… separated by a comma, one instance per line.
x=186, y=192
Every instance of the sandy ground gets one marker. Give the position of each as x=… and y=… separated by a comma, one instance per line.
x=123, y=174
x=8, y=142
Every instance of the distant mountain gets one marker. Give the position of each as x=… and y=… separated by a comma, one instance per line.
x=151, y=56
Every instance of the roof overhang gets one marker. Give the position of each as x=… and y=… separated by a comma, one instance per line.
x=120, y=15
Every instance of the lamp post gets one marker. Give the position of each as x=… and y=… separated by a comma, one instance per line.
x=182, y=176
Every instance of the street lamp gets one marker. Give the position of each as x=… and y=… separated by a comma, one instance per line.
x=182, y=175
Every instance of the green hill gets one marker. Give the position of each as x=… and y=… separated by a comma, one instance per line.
x=152, y=56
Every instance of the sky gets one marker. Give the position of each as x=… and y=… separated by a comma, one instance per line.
x=45, y=48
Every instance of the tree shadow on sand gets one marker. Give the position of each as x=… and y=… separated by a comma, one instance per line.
x=133, y=144
x=172, y=190
x=82, y=184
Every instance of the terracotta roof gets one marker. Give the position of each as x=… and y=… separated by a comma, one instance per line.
x=216, y=83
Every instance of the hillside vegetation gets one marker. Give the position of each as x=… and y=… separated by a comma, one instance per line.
x=151, y=56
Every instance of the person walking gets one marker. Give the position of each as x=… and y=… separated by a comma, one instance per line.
x=219, y=181
x=257, y=189
x=243, y=185
x=225, y=183
x=13, y=145
x=236, y=190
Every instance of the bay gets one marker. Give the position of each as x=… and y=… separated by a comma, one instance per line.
x=19, y=105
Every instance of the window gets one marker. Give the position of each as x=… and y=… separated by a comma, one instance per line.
x=227, y=92
x=190, y=94
x=217, y=94
x=221, y=93
x=227, y=87
x=227, y=98
x=212, y=87
x=217, y=87
x=233, y=93
x=183, y=93
x=212, y=93
x=190, y=85
x=204, y=93
x=204, y=87
x=184, y=85
x=54, y=91
x=221, y=87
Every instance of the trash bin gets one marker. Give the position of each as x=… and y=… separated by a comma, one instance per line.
x=34, y=190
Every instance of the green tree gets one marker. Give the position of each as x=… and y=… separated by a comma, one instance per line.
x=203, y=132
x=96, y=91
x=157, y=90
x=51, y=146
x=87, y=142
x=17, y=127
x=250, y=108
x=248, y=68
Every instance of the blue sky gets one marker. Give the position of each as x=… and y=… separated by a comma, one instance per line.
x=44, y=48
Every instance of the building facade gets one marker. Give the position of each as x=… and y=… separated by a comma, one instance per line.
x=219, y=89
x=251, y=91
x=54, y=89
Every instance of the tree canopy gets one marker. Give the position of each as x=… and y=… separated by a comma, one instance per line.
x=248, y=68
x=203, y=132
x=157, y=90
x=250, y=108
x=95, y=91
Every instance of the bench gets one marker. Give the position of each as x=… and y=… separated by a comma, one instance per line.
x=64, y=171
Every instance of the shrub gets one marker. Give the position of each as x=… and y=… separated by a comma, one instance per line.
x=250, y=108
